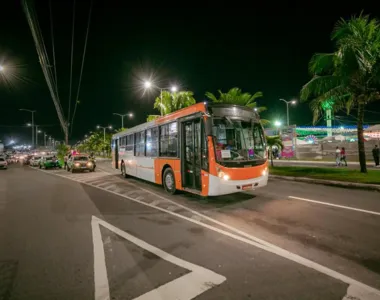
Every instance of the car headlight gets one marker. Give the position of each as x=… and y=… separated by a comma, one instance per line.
x=89, y=164
x=77, y=164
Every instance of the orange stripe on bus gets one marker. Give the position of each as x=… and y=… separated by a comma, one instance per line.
x=199, y=107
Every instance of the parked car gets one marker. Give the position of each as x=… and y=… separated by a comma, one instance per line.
x=35, y=161
x=48, y=162
x=3, y=163
x=80, y=162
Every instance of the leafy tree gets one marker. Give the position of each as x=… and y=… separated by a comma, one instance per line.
x=62, y=149
x=169, y=102
x=349, y=77
x=237, y=97
x=152, y=117
x=273, y=141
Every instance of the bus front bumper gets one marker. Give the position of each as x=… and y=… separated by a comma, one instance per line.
x=219, y=186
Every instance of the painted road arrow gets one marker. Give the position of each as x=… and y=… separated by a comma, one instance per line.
x=186, y=287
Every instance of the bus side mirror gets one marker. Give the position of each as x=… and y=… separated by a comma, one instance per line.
x=208, y=126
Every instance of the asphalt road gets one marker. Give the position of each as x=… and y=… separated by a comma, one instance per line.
x=99, y=236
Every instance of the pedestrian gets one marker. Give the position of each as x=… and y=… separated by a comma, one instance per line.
x=376, y=156
x=65, y=161
x=343, y=156
x=337, y=156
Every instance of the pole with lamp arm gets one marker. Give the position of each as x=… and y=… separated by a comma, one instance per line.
x=148, y=85
x=122, y=117
x=32, y=124
x=287, y=108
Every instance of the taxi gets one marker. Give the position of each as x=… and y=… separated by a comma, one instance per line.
x=80, y=163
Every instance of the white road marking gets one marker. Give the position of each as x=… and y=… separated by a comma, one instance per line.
x=354, y=285
x=185, y=287
x=336, y=205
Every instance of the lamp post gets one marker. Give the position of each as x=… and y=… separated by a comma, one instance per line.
x=149, y=84
x=287, y=108
x=122, y=117
x=104, y=131
x=32, y=112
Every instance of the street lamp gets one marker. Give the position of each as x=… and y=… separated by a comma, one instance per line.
x=1, y=68
x=287, y=108
x=277, y=123
x=122, y=117
x=104, y=131
x=32, y=112
x=149, y=84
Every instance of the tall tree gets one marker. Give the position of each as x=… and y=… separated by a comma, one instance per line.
x=237, y=97
x=349, y=77
x=169, y=102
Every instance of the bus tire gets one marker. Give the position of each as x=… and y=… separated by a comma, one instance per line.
x=168, y=181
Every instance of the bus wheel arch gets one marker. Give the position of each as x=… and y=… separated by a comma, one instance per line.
x=168, y=179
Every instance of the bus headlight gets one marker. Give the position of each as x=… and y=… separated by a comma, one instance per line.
x=223, y=175
x=265, y=172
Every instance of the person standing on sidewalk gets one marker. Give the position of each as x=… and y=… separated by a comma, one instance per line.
x=337, y=156
x=376, y=155
x=343, y=156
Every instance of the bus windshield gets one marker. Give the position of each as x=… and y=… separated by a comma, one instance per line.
x=238, y=140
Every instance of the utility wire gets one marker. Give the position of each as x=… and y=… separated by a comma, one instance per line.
x=81, y=69
x=53, y=48
x=71, y=65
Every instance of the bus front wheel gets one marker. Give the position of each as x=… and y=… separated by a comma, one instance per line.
x=168, y=181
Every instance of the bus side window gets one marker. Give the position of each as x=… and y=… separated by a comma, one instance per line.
x=129, y=143
x=152, y=142
x=140, y=143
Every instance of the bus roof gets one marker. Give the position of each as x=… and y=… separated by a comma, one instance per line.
x=198, y=107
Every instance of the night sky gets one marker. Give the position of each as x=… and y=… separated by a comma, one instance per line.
x=201, y=47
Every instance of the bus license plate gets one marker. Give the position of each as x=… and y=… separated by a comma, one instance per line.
x=246, y=187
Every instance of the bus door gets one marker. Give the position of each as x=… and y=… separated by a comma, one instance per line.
x=191, y=154
x=116, y=153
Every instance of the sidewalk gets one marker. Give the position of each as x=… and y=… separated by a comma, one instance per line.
x=312, y=163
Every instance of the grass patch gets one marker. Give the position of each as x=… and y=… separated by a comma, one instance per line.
x=337, y=174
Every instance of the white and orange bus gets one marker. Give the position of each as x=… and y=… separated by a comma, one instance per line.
x=206, y=149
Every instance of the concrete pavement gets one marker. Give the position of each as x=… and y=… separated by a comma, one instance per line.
x=51, y=223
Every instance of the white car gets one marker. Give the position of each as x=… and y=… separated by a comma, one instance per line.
x=3, y=163
x=35, y=161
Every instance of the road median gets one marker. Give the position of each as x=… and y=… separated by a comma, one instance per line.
x=339, y=176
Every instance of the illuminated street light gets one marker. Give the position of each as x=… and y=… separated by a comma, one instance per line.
x=122, y=117
x=31, y=124
x=2, y=68
x=104, y=131
x=149, y=84
x=277, y=123
x=287, y=108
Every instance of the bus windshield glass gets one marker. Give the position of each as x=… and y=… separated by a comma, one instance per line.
x=238, y=140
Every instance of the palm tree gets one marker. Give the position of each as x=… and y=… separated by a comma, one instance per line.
x=237, y=97
x=273, y=141
x=349, y=77
x=169, y=102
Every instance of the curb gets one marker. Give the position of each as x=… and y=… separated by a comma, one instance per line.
x=348, y=185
